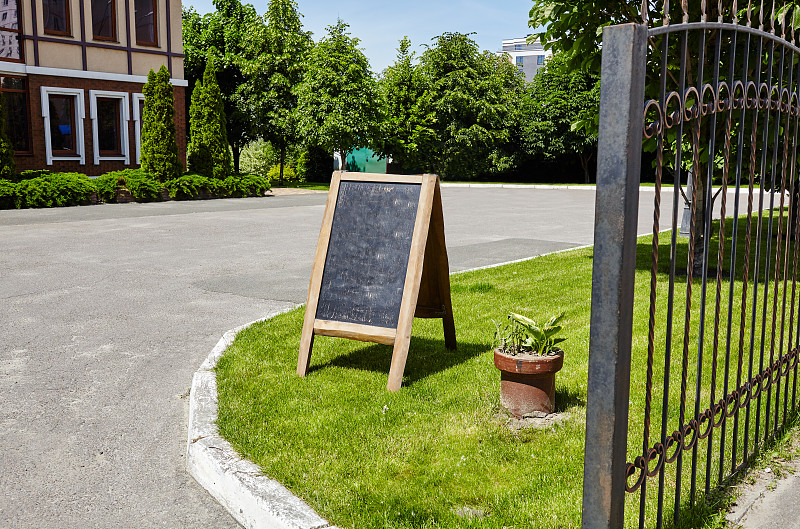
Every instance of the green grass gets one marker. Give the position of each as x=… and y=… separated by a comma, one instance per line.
x=363, y=457
x=301, y=185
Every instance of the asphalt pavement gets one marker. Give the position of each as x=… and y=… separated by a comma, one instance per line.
x=106, y=312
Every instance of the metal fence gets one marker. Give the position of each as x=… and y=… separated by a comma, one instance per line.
x=694, y=340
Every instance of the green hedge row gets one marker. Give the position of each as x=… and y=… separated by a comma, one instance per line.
x=42, y=189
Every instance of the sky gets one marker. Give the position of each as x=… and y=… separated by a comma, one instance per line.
x=380, y=24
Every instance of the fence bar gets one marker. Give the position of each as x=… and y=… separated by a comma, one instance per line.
x=617, y=199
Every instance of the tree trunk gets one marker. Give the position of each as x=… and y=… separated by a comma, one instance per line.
x=237, y=152
x=585, y=159
x=283, y=158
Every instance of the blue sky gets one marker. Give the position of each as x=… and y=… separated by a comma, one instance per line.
x=380, y=25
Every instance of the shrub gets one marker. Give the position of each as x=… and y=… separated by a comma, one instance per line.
x=288, y=173
x=208, y=153
x=142, y=186
x=8, y=194
x=190, y=186
x=246, y=186
x=108, y=184
x=258, y=157
x=315, y=165
x=33, y=173
x=159, y=155
x=54, y=190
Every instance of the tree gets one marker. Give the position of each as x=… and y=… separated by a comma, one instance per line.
x=8, y=167
x=159, y=155
x=208, y=152
x=338, y=98
x=474, y=103
x=558, y=96
x=407, y=128
x=275, y=63
x=222, y=39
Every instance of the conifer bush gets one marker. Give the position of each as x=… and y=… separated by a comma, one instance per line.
x=208, y=153
x=159, y=156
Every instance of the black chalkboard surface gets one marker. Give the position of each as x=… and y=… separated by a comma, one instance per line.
x=381, y=261
x=365, y=269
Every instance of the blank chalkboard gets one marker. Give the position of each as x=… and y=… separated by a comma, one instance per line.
x=381, y=261
x=365, y=269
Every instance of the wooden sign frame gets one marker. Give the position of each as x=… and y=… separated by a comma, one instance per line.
x=426, y=291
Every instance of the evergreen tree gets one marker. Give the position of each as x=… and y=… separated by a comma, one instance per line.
x=8, y=167
x=159, y=155
x=208, y=152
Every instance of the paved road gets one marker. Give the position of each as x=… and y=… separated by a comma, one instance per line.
x=106, y=311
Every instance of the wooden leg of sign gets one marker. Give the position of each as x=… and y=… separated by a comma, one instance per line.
x=443, y=269
x=304, y=358
x=399, y=356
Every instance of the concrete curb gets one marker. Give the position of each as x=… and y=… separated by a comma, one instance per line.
x=253, y=499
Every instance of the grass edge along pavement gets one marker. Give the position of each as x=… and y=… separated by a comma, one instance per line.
x=438, y=452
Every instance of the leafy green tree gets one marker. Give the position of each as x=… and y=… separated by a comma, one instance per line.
x=208, y=152
x=8, y=167
x=274, y=66
x=159, y=155
x=222, y=38
x=407, y=128
x=338, y=98
x=559, y=95
x=474, y=103
x=575, y=27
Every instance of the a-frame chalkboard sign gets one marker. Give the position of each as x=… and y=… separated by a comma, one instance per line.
x=381, y=261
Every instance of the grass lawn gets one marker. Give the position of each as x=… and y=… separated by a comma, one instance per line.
x=421, y=457
x=302, y=185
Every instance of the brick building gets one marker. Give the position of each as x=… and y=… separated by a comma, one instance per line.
x=72, y=71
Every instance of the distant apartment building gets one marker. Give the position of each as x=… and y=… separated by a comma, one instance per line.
x=528, y=57
x=72, y=71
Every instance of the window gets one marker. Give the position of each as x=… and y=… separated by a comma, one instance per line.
x=138, y=112
x=62, y=124
x=540, y=59
x=104, y=20
x=519, y=61
x=10, y=32
x=56, y=17
x=63, y=113
x=517, y=47
x=110, y=116
x=145, y=11
x=15, y=97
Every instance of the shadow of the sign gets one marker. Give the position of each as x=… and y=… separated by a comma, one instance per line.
x=426, y=357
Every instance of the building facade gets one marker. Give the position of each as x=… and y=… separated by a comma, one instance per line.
x=529, y=58
x=72, y=71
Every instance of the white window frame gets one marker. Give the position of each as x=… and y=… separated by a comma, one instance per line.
x=80, y=115
x=124, y=118
x=137, y=125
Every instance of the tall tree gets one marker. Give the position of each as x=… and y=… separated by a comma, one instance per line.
x=222, y=38
x=274, y=66
x=407, y=128
x=159, y=155
x=208, y=152
x=559, y=95
x=338, y=98
x=474, y=101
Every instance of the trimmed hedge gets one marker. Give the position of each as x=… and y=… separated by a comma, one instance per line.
x=73, y=189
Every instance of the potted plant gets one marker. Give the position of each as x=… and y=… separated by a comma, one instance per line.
x=528, y=360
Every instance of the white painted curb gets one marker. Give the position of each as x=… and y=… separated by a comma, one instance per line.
x=253, y=499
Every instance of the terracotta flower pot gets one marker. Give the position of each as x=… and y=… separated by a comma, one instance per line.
x=528, y=382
